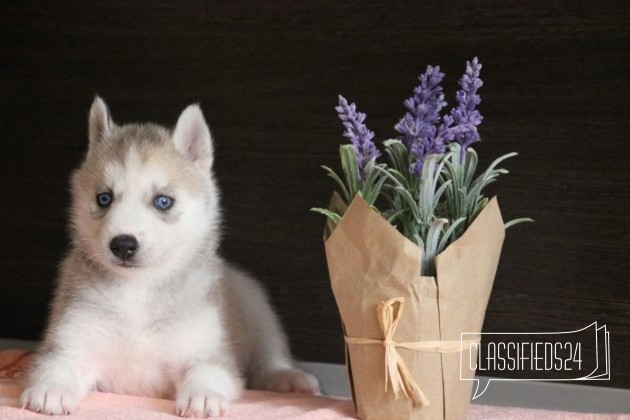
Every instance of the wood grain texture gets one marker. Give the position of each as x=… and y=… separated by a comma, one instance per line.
x=267, y=76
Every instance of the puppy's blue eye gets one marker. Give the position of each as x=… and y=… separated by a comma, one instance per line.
x=103, y=200
x=163, y=202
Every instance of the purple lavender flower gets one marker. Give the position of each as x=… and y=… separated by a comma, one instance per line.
x=465, y=118
x=417, y=127
x=358, y=134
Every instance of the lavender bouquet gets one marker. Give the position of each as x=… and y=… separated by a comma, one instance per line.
x=441, y=269
x=428, y=191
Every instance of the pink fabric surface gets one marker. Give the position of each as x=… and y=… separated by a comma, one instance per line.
x=253, y=404
x=99, y=405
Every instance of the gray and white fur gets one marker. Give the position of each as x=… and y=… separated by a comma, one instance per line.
x=144, y=305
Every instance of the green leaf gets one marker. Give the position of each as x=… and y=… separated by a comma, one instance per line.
x=434, y=234
x=499, y=160
x=439, y=193
x=398, y=154
x=517, y=221
x=376, y=190
x=396, y=177
x=334, y=176
x=446, y=238
x=350, y=169
x=428, y=199
x=331, y=215
x=413, y=206
x=431, y=245
x=453, y=173
x=391, y=217
x=471, y=165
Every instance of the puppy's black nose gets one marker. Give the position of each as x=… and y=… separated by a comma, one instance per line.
x=124, y=246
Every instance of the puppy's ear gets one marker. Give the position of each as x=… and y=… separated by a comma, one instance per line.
x=100, y=122
x=192, y=137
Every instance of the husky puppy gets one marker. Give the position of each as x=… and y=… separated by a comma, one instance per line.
x=144, y=305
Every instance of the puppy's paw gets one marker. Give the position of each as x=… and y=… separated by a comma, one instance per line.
x=201, y=404
x=291, y=380
x=49, y=399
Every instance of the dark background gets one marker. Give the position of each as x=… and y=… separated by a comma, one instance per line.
x=267, y=76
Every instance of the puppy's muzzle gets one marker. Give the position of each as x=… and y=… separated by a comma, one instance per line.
x=124, y=246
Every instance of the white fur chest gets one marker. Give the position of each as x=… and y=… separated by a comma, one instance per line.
x=146, y=339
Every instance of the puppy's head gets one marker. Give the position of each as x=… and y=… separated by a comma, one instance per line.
x=144, y=198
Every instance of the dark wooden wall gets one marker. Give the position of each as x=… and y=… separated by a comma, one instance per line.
x=267, y=75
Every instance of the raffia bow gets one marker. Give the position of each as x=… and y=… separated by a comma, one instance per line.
x=396, y=371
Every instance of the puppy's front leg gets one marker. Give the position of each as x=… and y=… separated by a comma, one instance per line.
x=206, y=390
x=56, y=385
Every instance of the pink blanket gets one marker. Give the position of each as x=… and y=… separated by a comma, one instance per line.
x=253, y=404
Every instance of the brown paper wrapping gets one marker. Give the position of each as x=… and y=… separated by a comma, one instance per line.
x=369, y=261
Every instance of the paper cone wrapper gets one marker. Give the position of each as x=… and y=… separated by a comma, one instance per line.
x=369, y=262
